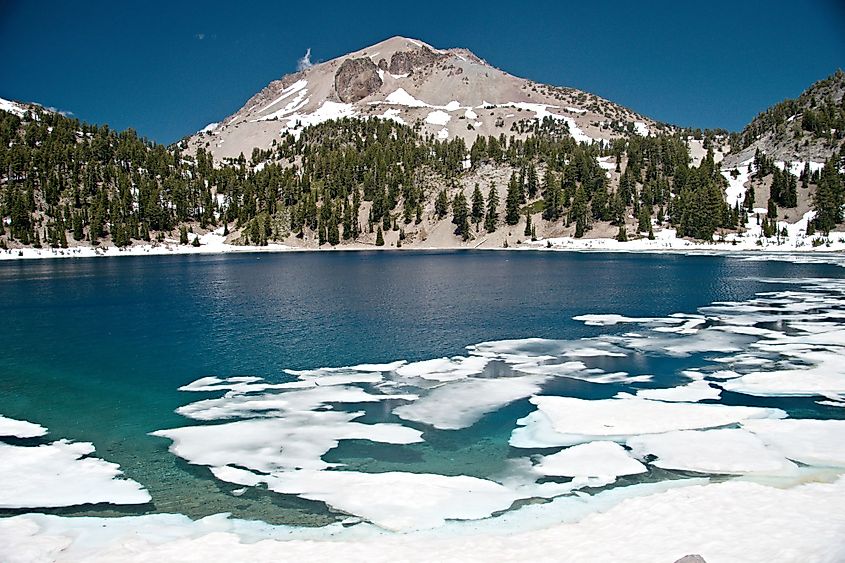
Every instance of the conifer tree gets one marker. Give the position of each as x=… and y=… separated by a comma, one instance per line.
x=460, y=215
x=333, y=234
x=441, y=204
x=477, y=205
x=512, y=201
x=552, y=197
x=492, y=216
x=644, y=220
x=578, y=212
x=829, y=198
x=532, y=182
x=379, y=237
x=622, y=235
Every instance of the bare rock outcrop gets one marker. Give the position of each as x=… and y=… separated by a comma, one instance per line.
x=694, y=558
x=356, y=79
x=404, y=62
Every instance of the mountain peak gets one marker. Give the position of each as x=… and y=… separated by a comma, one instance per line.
x=445, y=93
x=398, y=43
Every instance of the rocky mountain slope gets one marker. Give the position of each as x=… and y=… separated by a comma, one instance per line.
x=808, y=128
x=443, y=93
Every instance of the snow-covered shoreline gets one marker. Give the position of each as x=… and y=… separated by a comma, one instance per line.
x=721, y=521
x=661, y=244
x=565, y=244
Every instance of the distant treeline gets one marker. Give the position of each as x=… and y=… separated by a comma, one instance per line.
x=61, y=179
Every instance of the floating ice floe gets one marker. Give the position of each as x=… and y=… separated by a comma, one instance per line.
x=239, y=405
x=564, y=421
x=444, y=369
x=294, y=441
x=20, y=428
x=820, y=374
x=613, y=319
x=840, y=404
x=808, y=441
x=593, y=459
x=728, y=451
x=693, y=392
x=61, y=474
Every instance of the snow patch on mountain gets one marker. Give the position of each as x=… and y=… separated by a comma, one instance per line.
x=438, y=117
x=12, y=107
x=295, y=87
x=402, y=98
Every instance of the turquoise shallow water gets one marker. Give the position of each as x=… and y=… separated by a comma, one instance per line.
x=95, y=349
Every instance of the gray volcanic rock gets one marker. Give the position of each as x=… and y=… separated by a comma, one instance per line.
x=691, y=559
x=356, y=79
x=404, y=62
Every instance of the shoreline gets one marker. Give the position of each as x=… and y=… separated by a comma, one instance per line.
x=567, y=244
x=571, y=529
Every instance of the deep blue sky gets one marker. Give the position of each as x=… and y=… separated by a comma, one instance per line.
x=168, y=69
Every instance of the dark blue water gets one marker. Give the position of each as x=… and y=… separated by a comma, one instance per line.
x=95, y=349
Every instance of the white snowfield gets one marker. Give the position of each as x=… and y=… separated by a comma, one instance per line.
x=721, y=522
x=394, y=500
x=12, y=107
